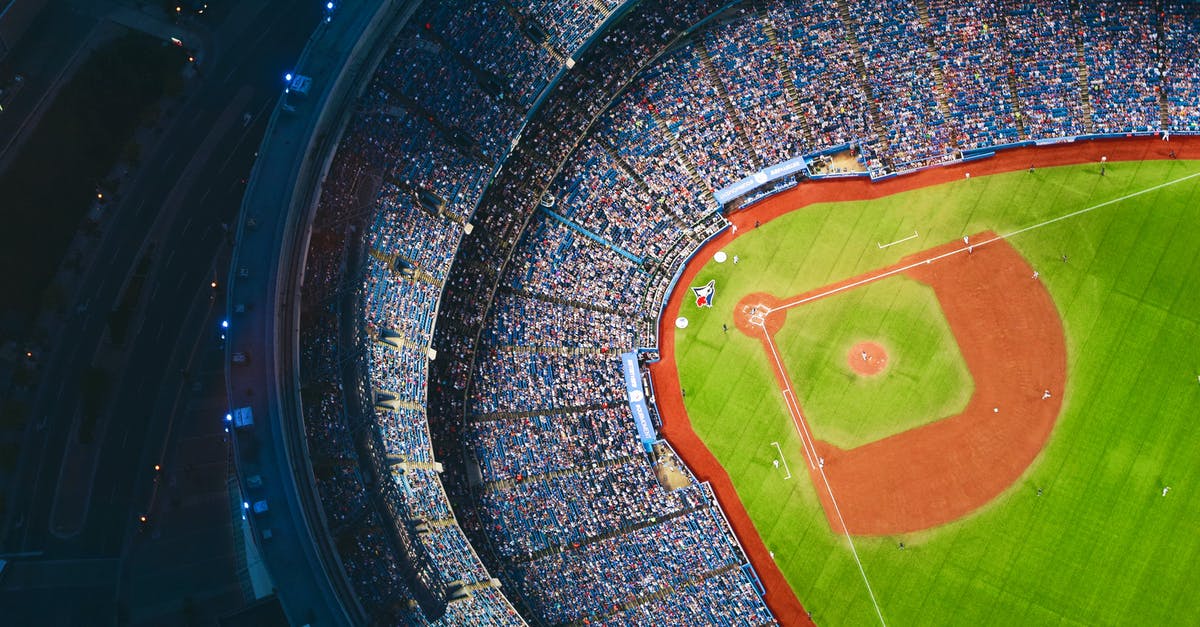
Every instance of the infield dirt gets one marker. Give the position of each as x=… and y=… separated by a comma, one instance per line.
x=1011, y=338
x=867, y=359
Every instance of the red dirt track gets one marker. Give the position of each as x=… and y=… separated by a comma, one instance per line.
x=676, y=427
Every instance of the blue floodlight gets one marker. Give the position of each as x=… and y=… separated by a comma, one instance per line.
x=329, y=6
x=228, y=417
x=288, y=77
x=224, y=324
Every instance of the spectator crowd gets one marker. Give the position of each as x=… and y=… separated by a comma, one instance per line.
x=504, y=228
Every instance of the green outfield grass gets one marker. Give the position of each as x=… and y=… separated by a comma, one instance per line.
x=1101, y=545
x=925, y=380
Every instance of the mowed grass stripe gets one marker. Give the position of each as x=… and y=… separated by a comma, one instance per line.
x=1101, y=546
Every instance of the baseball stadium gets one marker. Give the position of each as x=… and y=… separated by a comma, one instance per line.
x=698, y=312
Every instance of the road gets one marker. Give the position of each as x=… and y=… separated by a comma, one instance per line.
x=172, y=211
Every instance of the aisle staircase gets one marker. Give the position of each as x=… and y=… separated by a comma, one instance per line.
x=682, y=158
x=935, y=62
x=625, y=167
x=558, y=300
x=389, y=399
x=460, y=592
x=415, y=273
x=559, y=411
x=546, y=44
x=875, y=115
x=1000, y=25
x=621, y=162
x=395, y=341
x=489, y=83
x=658, y=595
x=399, y=461
x=616, y=533
x=1082, y=78
x=1164, y=103
x=1085, y=92
x=509, y=484
x=543, y=349
x=731, y=112
x=791, y=93
x=453, y=217
x=559, y=56
x=460, y=140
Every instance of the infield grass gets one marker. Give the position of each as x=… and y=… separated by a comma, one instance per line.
x=1101, y=545
x=925, y=379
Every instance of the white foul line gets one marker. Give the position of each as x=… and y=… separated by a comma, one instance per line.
x=784, y=460
x=810, y=450
x=965, y=248
x=805, y=436
x=913, y=236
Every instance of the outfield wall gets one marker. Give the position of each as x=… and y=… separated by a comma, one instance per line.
x=776, y=179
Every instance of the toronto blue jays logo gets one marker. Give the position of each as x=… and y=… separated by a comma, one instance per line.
x=705, y=293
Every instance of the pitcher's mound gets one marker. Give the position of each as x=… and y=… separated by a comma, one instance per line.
x=867, y=359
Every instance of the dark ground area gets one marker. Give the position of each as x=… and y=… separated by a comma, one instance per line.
x=56, y=177
x=112, y=390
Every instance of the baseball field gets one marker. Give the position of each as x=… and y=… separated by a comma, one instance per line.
x=924, y=429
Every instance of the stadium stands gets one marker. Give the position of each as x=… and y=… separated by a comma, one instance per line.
x=475, y=424
x=1123, y=67
x=973, y=60
x=1181, y=63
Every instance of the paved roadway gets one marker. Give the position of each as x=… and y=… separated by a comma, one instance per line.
x=191, y=183
x=49, y=51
